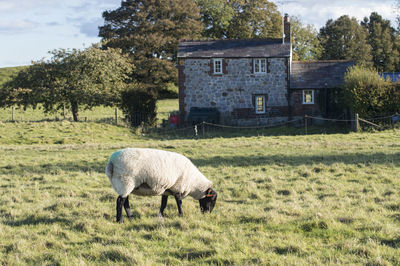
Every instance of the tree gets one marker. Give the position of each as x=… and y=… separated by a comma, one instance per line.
x=345, y=39
x=240, y=19
x=70, y=79
x=306, y=45
x=216, y=16
x=150, y=31
x=383, y=40
x=254, y=19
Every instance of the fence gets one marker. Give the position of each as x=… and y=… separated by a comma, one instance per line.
x=300, y=126
x=305, y=125
x=98, y=114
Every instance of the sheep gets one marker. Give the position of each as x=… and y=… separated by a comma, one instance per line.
x=149, y=172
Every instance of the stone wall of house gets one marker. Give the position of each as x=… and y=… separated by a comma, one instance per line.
x=233, y=92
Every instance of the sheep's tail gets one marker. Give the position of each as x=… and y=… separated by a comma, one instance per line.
x=109, y=169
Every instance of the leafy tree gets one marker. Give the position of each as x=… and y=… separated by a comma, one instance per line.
x=367, y=93
x=240, y=19
x=216, y=16
x=384, y=43
x=71, y=79
x=306, y=45
x=149, y=31
x=254, y=19
x=345, y=39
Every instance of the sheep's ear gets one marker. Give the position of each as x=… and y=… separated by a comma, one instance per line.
x=214, y=195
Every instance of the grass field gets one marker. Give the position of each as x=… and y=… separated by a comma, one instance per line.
x=97, y=114
x=316, y=199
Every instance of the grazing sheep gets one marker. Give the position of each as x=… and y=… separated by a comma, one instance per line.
x=148, y=172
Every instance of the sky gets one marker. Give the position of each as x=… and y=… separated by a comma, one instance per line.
x=29, y=29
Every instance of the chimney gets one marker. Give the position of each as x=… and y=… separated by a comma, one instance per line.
x=286, y=29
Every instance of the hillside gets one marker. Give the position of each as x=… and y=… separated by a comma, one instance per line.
x=7, y=72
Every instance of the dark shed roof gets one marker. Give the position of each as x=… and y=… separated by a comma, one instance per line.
x=318, y=74
x=234, y=48
x=393, y=76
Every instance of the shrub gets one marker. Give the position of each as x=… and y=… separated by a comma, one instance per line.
x=367, y=93
x=138, y=103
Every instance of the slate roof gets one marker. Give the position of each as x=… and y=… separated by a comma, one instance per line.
x=318, y=74
x=234, y=48
x=393, y=76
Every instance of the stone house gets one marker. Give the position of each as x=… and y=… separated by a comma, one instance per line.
x=254, y=82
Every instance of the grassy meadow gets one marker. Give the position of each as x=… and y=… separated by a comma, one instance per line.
x=315, y=199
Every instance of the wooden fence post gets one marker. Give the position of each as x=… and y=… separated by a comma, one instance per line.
x=305, y=123
x=64, y=112
x=13, y=114
x=357, y=123
x=203, y=125
x=116, y=116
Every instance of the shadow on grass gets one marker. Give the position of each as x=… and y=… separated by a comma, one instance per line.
x=210, y=132
x=394, y=243
x=116, y=256
x=297, y=160
x=216, y=161
x=32, y=220
x=54, y=168
x=192, y=254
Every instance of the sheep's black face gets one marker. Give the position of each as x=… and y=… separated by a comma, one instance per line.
x=207, y=204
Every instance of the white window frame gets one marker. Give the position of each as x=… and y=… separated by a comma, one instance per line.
x=260, y=65
x=219, y=60
x=263, y=103
x=304, y=96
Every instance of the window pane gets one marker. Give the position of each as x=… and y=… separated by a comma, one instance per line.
x=260, y=104
x=308, y=96
x=218, y=66
x=263, y=66
x=256, y=65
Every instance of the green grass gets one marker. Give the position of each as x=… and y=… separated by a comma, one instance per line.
x=97, y=114
x=316, y=199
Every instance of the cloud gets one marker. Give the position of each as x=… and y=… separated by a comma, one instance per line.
x=17, y=27
x=96, y=5
x=87, y=27
x=318, y=12
x=91, y=28
x=7, y=5
x=53, y=24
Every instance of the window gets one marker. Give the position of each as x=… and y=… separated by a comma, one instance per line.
x=217, y=66
x=260, y=104
x=308, y=96
x=260, y=66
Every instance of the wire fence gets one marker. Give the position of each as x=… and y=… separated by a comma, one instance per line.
x=107, y=115
x=299, y=126
x=165, y=129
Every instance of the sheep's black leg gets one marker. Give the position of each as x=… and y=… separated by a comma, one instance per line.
x=120, y=203
x=178, y=199
x=164, y=199
x=127, y=208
